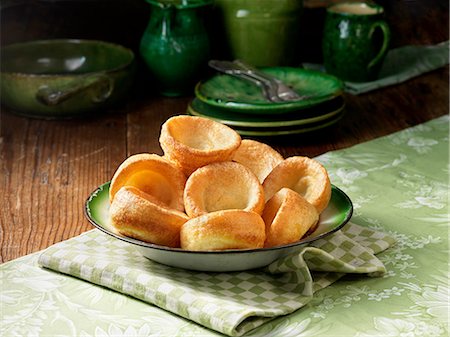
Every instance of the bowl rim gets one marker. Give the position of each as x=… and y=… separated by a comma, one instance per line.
x=144, y=244
x=117, y=46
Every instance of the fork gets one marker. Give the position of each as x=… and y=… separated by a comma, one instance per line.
x=230, y=68
x=273, y=89
x=284, y=92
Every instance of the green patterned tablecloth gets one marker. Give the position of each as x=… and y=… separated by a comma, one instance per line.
x=404, y=63
x=399, y=186
x=400, y=65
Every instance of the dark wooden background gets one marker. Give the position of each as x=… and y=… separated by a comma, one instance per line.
x=48, y=168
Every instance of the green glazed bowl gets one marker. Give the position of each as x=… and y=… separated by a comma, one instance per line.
x=64, y=78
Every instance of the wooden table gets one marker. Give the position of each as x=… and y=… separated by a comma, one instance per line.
x=48, y=168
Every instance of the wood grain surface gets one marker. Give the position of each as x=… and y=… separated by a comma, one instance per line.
x=49, y=167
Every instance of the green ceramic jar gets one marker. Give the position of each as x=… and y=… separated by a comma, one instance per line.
x=355, y=41
x=262, y=32
x=175, y=46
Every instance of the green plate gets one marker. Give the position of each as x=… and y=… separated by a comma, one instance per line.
x=288, y=131
x=242, y=96
x=320, y=112
x=334, y=217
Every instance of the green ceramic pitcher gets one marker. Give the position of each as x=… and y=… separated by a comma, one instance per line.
x=355, y=41
x=175, y=45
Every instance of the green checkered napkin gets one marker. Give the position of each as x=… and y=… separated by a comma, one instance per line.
x=400, y=65
x=232, y=303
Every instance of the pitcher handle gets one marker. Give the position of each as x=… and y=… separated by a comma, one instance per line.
x=386, y=39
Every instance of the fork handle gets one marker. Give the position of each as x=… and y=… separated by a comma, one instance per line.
x=256, y=72
x=230, y=68
x=281, y=90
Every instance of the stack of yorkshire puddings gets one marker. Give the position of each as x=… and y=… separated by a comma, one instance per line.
x=213, y=191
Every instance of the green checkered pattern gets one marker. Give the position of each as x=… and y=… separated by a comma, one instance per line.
x=231, y=303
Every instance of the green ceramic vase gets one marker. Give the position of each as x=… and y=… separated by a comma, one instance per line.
x=261, y=32
x=175, y=46
x=355, y=41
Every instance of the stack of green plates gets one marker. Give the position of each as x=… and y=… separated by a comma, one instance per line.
x=242, y=106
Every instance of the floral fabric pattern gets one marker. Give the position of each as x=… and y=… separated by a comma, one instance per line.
x=399, y=186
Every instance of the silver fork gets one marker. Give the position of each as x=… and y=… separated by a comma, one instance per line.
x=284, y=92
x=273, y=89
x=230, y=68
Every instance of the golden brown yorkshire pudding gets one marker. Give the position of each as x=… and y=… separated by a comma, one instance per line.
x=229, y=229
x=134, y=214
x=193, y=142
x=288, y=217
x=220, y=186
x=154, y=175
x=260, y=158
x=305, y=176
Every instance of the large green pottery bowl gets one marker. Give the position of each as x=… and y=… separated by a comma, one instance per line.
x=64, y=78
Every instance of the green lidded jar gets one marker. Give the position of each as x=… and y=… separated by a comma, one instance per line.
x=175, y=45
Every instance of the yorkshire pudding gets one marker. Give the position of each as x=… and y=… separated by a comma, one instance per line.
x=288, y=217
x=193, y=142
x=229, y=229
x=154, y=175
x=305, y=176
x=134, y=214
x=260, y=158
x=221, y=186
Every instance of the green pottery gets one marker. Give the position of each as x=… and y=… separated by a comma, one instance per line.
x=288, y=131
x=260, y=126
x=64, y=78
x=355, y=41
x=175, y=46
x=333, y=218
x=241, y=96
x=261, y=32
x=316, y=113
